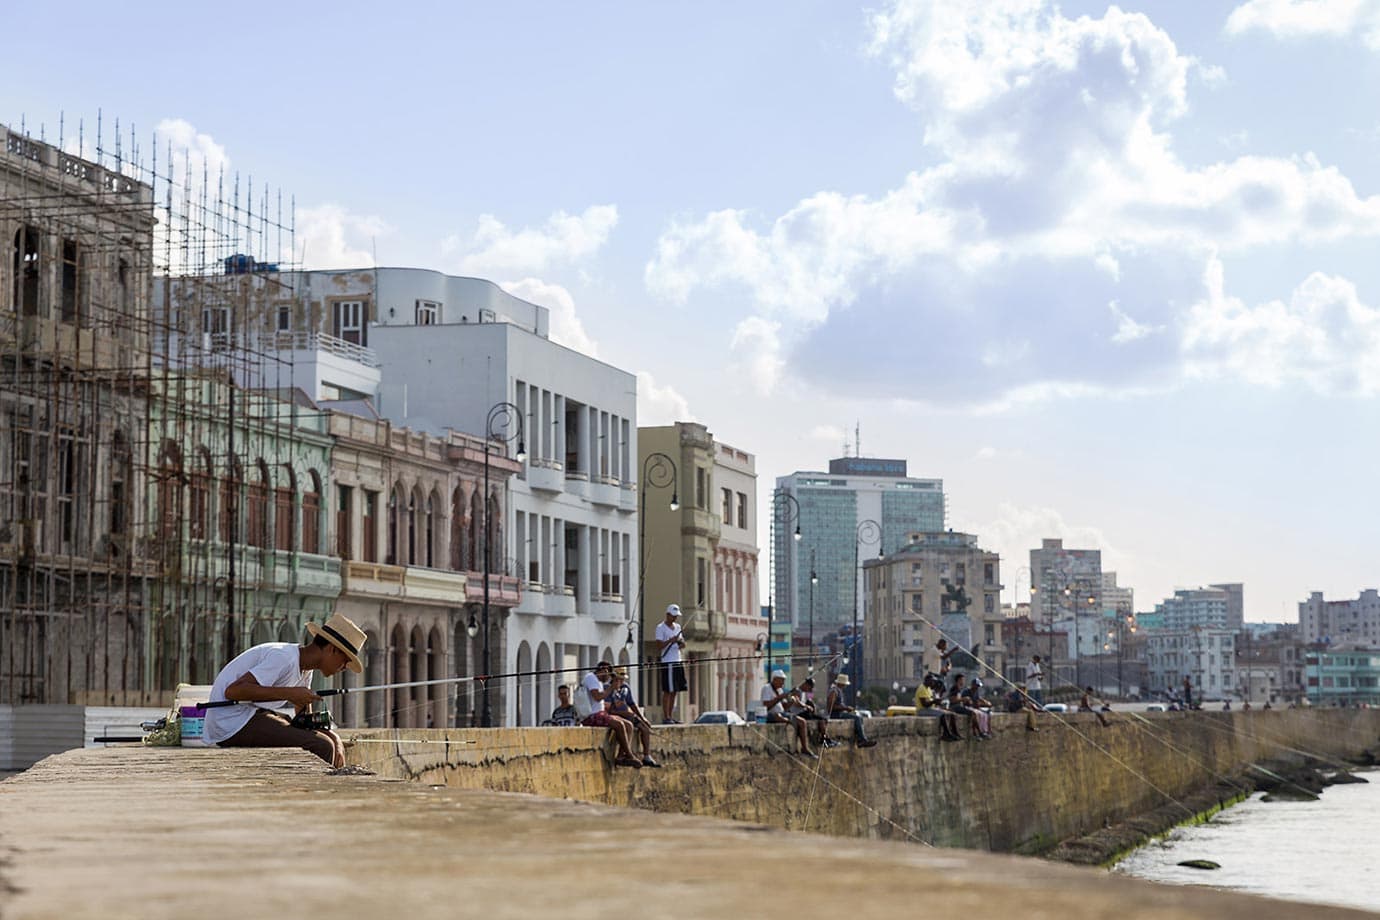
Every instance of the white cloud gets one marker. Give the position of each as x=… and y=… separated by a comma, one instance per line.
x=1054, y=188
x=830, y=433
x=986, y=453
x=1305, y=18
x=660, y=405
x=756, y=346
x=566, y=327
x=494, y=249
x=328, y=236
x=194, y=152
x=1323, y=338
x=1127, y=329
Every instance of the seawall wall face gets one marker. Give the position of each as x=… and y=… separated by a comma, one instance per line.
x=1021, y=792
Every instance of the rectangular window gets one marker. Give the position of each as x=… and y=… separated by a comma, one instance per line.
x=284, y=319
x=369, y=527
x=344, y=532
x=701, y=581
x=215, y=320
x=701, y=488
x=73, y=293
x=428, y=313
x=742, y=511
x=348, y=321
x=728, y=507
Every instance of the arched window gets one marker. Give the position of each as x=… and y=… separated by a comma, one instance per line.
x=28, y=248
x=411, y=529
x=493, y=541
x=433, y=503
x=392, y=555
x=311, y=514
x=284, y=518
x=476, y=538
x=169, y=491
x=230, y=503
x=199, y=507
x=121, y=475
x=258, y=507
x=458, y=536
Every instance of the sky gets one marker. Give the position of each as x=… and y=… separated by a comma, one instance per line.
x=1108, y=271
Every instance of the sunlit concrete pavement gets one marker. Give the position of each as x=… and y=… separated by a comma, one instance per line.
x=150, y=833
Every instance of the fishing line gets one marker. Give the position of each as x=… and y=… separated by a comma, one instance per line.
x=1070, y=726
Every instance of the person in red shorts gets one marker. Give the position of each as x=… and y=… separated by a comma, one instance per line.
x=591, y=706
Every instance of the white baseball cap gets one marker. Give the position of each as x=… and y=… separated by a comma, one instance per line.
x=776, y=674
x=673, y=610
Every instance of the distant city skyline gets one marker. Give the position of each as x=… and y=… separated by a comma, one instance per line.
x=1107, y=271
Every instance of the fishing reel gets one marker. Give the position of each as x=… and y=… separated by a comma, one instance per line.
x=311, y=721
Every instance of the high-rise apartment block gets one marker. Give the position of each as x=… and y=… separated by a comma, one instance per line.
x=861, y=508
x=1354, y=623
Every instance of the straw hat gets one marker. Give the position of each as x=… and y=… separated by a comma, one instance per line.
x=341, y=632
x=841, y=680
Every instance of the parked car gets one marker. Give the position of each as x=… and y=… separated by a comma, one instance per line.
x=1155, y=707
x=1056, y=707
x=720, y=717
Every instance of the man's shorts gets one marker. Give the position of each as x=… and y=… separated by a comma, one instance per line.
x=673, y=677
x=600, y=719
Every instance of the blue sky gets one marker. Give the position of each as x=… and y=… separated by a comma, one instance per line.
x=1108, y=271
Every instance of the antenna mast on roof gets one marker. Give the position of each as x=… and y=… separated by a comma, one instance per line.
x=857, y=438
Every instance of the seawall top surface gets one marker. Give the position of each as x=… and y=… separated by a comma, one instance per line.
x=173, y=832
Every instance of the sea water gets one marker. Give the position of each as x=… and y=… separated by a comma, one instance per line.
x=1323, y=851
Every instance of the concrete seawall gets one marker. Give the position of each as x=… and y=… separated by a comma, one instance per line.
x=1022, y=792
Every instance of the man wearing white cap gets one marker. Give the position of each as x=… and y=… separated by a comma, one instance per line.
x=773, y=696
x=670, y=639
x=272, y=682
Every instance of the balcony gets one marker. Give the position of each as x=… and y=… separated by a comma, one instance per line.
x=608, y=608
x=504, y=590
x=627, y=496
x=577, y=483
x=545, y=475
x=374, y=579
x=291, y=341
x=700, y=523
x=605, y=490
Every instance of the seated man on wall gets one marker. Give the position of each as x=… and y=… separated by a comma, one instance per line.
x=622, y=705
x=774, y=698
x=564, y=715
x=838, y=709
x=272, y=684
x=801, y=705
x=591, y=702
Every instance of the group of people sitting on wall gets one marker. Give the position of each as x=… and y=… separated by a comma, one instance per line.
x=797, y=707
x=604, y=699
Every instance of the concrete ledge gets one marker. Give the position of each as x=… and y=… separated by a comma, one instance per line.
x=177, y=832
x=1022, y=792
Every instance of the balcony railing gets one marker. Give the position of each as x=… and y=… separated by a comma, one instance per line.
x=292, y=341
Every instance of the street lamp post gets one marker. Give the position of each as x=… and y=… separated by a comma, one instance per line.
x=506, y=418
x=814, y=580
x=869, y=532
x=784, y=509
x=658, y=470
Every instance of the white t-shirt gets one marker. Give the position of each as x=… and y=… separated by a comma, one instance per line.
x=584, y=703
x=1032, y=676
x=273, y=664
x=664, y=632
x=770, y=693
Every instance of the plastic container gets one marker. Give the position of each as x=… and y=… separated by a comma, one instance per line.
x=193, y=719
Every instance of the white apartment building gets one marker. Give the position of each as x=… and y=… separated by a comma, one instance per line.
x=1206, y=655
x=1064, y=583
x=435, y=352
x=1354, y=623
x=1190, y=607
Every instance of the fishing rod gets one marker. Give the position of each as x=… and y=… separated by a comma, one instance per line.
x=482, y=678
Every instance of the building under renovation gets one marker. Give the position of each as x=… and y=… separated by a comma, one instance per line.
x=177, y=485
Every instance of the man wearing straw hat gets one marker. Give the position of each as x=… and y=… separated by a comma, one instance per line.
x=273, y=681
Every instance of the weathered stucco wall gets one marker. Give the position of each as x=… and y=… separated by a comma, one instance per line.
x=1021, y=792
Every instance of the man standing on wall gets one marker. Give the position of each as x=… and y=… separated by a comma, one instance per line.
x=670, y=640
x=1034, y=674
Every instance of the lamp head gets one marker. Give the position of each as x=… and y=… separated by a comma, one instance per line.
x=472, y=627
x=797, y=533
x=675, y=502
x=521, y=452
